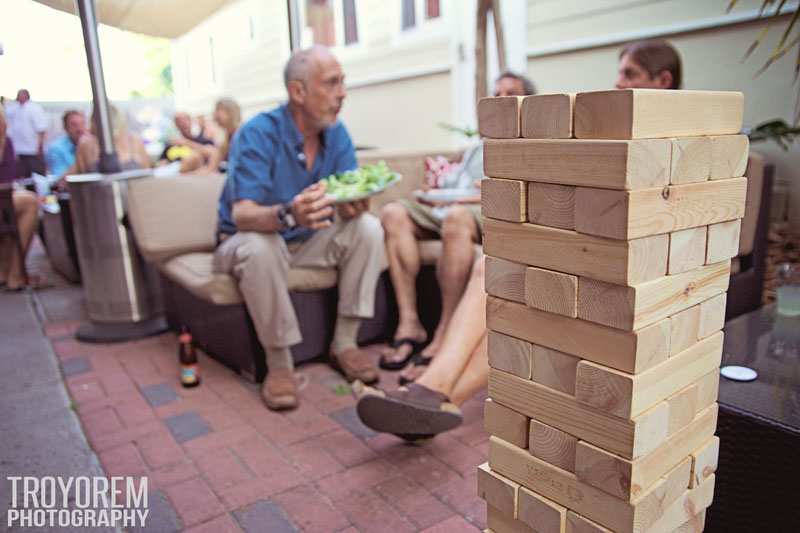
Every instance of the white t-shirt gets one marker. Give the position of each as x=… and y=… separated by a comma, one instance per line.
x=25, y=122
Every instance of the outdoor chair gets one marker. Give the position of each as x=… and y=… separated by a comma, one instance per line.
x=8, y=222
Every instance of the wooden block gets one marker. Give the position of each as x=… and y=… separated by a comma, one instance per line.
x=708, y=389
x=729, y=155
x=652, y=504
x=547, y=116
x=704, y=462
x=500, y=522
x=565, y=489
x=505, y=279
x=687, y=249
x=628, y=395
x=691, y=160
x=686, y=508
x=554, y=292
x=633, y=214
x=629, y=351
x=623, y=165
x=554, y=369
x=622, y=262
x=628, y=438
x=552, y=445
x=504, y=199
x=550, y=204
x=510, y=355
x=653, y=113
x=695, y=524
x=541, y=514
x=579, y=524
x=631, y=308
x=498, y=117
x=630, y=480
x=497, y=491
x=505, y=423
x=682, y=408
x=712, y=315
x=685, y=329
x=723, y=241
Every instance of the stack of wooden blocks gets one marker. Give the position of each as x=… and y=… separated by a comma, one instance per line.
x=611, y=219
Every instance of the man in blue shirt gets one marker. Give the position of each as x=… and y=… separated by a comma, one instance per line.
x=61, y=152
x=273, y=215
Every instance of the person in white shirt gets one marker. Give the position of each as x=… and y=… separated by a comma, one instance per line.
x=27, y=126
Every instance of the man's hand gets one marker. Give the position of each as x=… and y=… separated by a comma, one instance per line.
x=312, y=209
x=352, y=209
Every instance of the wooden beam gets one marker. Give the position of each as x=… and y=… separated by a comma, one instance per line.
x=497, y=491
x=682, y=408
x=504, y=199
x=614, y=261
x=550, y=204
x=653, y=113
x=540, y=513
x=633, y=214
x=687, y=249
x=628, y=438
x=723, y=241
x=704, y=462
x=632, y=308
x=708, y=389
x=729, y=154
x=629, y=351
x=505, y=279
x=551, y=291
x=498, y=117
x=687, y=508
x=500, y=522
x=579, y=524
x=623, y=165
x=547, y=116
x=685, y=329
x=510, y=354
x=503, y=422
x=626, y=395
x=552, y=445
x=554, y=369
x=712, y=316
x=691, y=160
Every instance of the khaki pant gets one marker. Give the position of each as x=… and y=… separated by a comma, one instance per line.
x=261, y=263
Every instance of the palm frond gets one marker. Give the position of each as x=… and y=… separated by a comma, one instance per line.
x=789, y=28
x=776, y=56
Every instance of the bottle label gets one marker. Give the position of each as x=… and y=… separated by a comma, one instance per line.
x=189, y=374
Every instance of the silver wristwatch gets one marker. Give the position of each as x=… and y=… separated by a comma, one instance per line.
x=286, y=218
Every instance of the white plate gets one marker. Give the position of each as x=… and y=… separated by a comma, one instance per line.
x=366, y=194
x=444, y=196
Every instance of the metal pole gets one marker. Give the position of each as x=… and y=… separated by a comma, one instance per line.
x=294, y=24
x=108, y=155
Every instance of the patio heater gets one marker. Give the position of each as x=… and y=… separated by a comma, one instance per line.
x=122, y=292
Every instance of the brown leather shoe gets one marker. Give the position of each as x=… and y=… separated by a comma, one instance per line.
x=279, y=390
x=355, y=364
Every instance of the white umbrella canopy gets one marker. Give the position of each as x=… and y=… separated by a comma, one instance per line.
x=158, y=18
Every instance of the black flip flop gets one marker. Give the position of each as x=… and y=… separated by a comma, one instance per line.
x=401, y=364
x=418, y=360
x=411, y=412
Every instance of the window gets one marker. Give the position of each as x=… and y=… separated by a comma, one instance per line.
x=213, y=65
x=330, y=23
x=430, y=8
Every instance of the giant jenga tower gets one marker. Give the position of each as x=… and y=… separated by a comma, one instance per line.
x=610, y=221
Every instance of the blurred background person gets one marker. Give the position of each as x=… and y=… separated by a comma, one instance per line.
x=652, y=64
x=193, y=151
x=27, y=126
x=61, y=152
x=228, y=115
x=130, y=148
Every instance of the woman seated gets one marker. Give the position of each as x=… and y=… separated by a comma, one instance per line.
x=130, y=148
x=210, y=158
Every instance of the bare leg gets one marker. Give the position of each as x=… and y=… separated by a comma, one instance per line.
x=465, y=332
x=401, y=236
x=5, y=257
x=26, y=207
x=475, y=375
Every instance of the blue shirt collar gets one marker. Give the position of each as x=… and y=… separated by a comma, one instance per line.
x=294, y=139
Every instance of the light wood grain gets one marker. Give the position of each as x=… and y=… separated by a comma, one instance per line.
x=632, y=308
x=510, y=354
x=687, y=249
x=624, y=165
x=632, y=352
x=686, y=508
x=547, y=116
x=554, y=369
x=551, y=291
x=506, y=423
x=729, y=155
x=628, y=395
x=685, y=329
x=654, y=113
x=505, y=279
x=498, y=117
x=708, y=389
x=614, y=261
x=712, y=316
x=540, y=513
x=633, y=214
x=500, y=522
x=682, y=408
x=579, y=524
x=723, y=241
x=704, y=462
x=550, y=204
x=504, y=199
x=696, y=524
x=691, y=160
x=497, y=491
x=552, y=445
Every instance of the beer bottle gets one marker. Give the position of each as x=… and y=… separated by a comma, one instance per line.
x=190, y=374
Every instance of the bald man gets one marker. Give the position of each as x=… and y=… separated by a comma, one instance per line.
x=273, y=215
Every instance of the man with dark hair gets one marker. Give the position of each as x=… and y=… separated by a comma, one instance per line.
x=653, y=64
x=274, y=215
x=510, y=83
x=27, y=126
x=61, y=152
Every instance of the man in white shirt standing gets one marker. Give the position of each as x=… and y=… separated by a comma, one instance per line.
x=27, y=125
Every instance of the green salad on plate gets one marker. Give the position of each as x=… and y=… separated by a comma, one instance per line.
x=360, y=183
